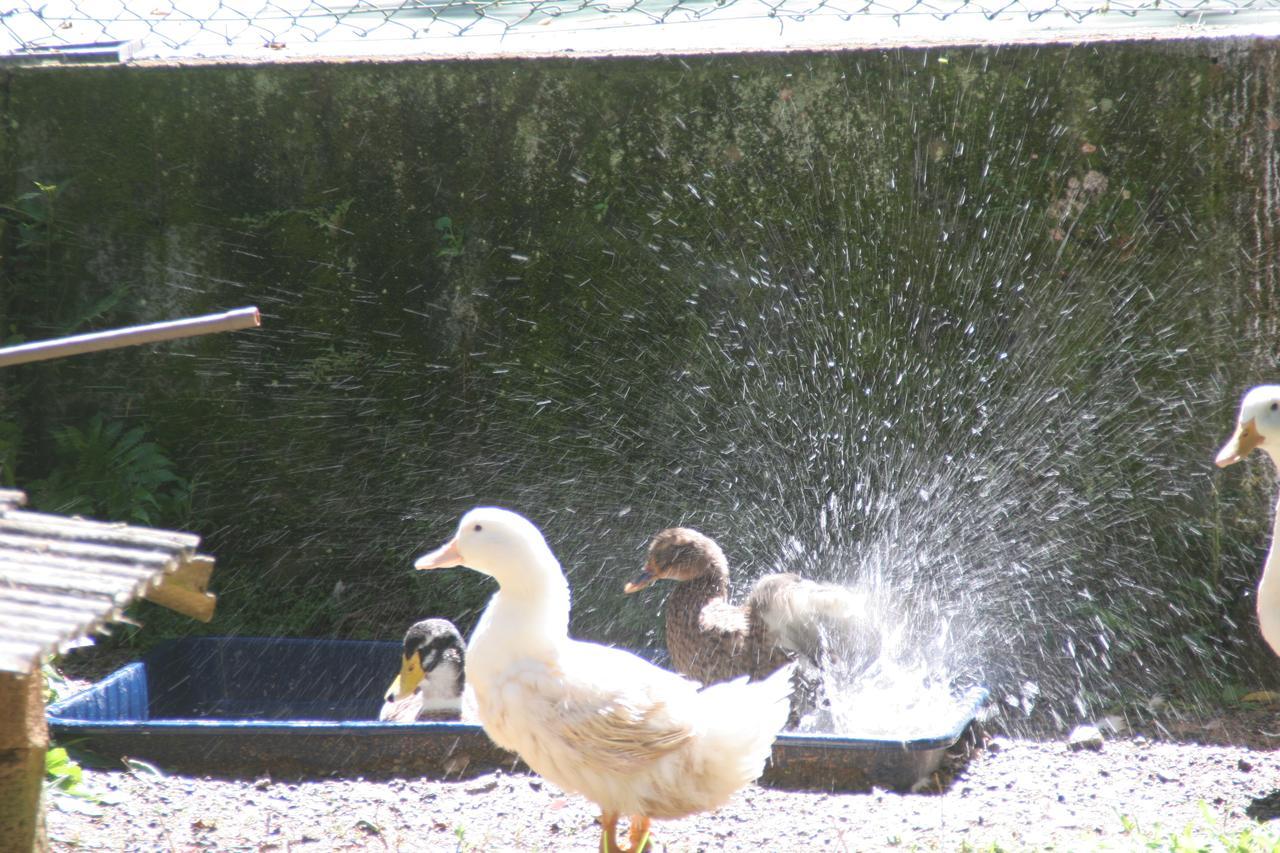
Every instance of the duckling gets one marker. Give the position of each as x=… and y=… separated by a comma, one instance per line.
x=633, y=738
x=785, y=617
x=431, y=679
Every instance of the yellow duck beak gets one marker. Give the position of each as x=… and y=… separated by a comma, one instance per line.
x=407, y=681
x=1245, y=439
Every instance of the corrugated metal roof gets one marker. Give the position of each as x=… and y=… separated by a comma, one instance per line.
x=61, y=577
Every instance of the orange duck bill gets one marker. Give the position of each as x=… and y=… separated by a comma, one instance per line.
x=444, y=557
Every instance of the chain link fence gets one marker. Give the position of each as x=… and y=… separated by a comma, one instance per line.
x=123, y=29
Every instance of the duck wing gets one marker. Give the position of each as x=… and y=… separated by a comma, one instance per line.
x=812, y=620
x=617, y=710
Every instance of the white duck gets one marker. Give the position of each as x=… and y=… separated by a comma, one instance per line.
x=1258, y=425
x=634, y=739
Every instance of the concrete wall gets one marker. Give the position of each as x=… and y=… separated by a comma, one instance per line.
x=966, y=324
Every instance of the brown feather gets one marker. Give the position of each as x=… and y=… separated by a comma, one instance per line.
x=709, y=639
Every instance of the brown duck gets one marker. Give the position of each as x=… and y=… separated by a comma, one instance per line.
x=784, y=618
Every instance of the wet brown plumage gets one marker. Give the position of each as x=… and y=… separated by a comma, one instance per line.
x=784, y=618
x=709, y=639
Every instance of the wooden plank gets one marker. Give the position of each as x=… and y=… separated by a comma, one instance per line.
x=185, y=589
x=14, y=621
x=10, y=611
x=12, y=497
x=23, y=654
x=71, y=582
x=40, y=630
x=61, y=527
x=75, y=548
x=53, y=580
x=24, y=737
x=96, y=568
x=154, y=562
x=83, y=602
x=60, y=578
x=14, y=615
x=11, y=645
x=19, y=657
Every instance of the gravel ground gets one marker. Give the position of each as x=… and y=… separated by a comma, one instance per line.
x=1214, y=771
x=1012, y=793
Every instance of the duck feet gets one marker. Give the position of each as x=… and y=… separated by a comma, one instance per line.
x=638, y=836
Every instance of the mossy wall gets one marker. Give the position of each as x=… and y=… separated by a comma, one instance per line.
x=966, y=325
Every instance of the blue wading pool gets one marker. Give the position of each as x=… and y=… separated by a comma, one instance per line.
x=245, y=707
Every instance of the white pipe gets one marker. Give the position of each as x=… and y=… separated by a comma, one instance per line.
x=240, y=318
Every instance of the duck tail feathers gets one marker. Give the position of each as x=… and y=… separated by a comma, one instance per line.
x=741, y=719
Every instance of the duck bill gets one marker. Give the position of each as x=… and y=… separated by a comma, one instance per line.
x=638, y=583
x=1245, y=439
x=407, y=681
x=441, y=558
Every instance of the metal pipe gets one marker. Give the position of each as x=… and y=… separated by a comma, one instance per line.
x=240, y=318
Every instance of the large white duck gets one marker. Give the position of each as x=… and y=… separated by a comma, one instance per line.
x=1258, y=425
x=634, y=739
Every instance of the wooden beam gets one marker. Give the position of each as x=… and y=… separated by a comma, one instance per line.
x=24, y=737
x=185, y=589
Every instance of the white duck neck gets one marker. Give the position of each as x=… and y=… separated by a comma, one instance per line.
x=543, y=615
x=527, y=617
x=1269, y=586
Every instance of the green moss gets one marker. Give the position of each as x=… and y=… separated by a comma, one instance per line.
x=630, y=250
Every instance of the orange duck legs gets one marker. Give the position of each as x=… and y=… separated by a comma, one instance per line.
x=638, y=836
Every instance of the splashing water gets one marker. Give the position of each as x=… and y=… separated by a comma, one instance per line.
x=930, y=395
x=902, y=693
x=896, y=705
x=906, y=382
x=951, y=333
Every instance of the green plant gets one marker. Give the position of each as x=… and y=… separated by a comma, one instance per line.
x=28, y=223
x=34, y=214
x=39, y=285
x=107, y=471
x=451, y=236
x=327, y=219
x=55, y=683
x=62, y=773
x=10, y=444
x=601, y=209
x=1204, y=836
x=64, y=776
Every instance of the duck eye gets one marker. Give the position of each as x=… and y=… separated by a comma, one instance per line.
x=478, y=528
x=1275, y=406
x=391, y=697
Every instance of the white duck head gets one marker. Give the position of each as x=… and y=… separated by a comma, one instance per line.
x=1258, y=425
x=510, y=549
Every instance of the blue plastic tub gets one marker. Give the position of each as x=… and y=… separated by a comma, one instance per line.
x=308, y=708
x=245, y=707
